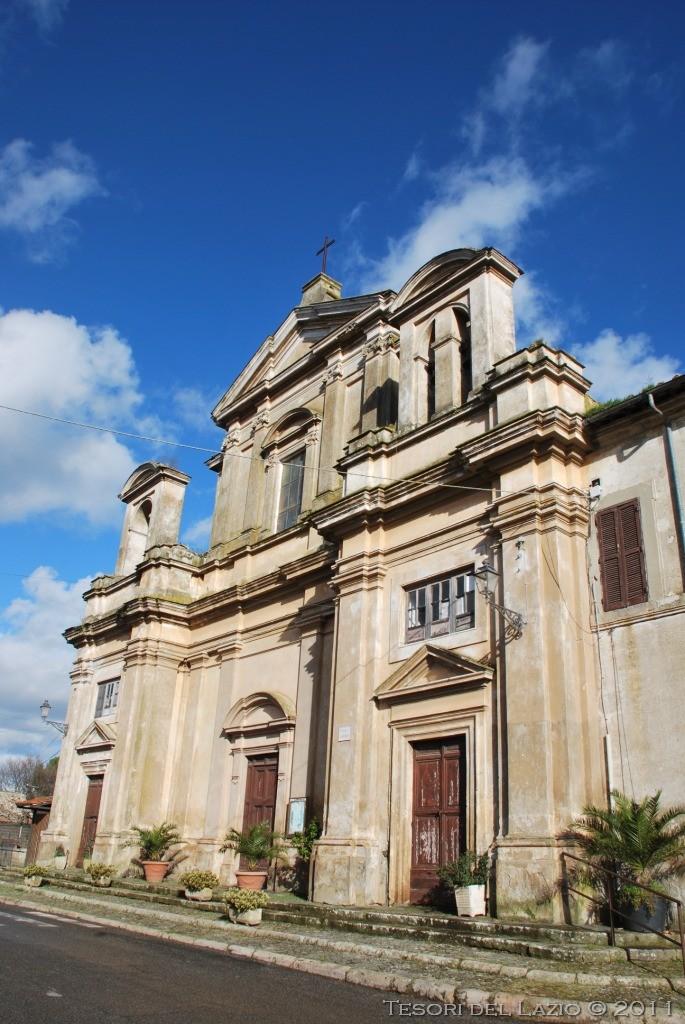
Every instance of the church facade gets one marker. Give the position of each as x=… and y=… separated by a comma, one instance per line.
x=441, y=608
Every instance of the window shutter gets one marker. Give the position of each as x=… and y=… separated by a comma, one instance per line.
x=631, y=549
x=624, y=581
x=609, y=559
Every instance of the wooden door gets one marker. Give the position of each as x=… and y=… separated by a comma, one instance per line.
x=39, y=824
x=438, y=813
x=90, y=816
x=260, y=792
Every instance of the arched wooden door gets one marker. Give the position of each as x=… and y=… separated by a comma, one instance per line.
x=438, y=813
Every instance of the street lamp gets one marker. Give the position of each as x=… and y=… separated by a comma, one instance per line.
x=45, y=710
x=486, y=578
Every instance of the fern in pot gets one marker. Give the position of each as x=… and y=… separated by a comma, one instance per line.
x=467, y=875
x=244, y=906
x=199, y=885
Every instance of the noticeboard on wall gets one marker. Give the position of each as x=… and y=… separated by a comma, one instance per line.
x=297, y=811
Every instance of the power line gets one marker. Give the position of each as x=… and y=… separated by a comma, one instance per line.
x=239, y=455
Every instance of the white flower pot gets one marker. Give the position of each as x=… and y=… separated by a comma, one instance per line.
x=33, y=881
x=60, y=863
x=470, y=900
x=104, y=882
x=199, y=895
x=251, y=917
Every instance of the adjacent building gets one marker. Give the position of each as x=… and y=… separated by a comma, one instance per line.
x=442, y=605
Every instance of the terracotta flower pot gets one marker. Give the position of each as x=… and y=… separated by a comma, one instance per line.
x=250, y=879
x=155, y=870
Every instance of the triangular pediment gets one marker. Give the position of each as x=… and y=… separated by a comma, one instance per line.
x=432, y=670
x=98, y=736
x=302, y=329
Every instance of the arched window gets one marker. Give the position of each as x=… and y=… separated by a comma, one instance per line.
x=137, y=534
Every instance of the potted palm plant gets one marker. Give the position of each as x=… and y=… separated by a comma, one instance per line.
x=199, y=885
x=155, y=844
x=244, y=906
x=257, y=845
x=642, y=844
x=467, y=875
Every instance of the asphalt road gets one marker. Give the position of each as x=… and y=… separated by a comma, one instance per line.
x=58, y=971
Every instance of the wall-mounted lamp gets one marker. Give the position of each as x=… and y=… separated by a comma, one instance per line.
x=45, y=709
x=486, y=578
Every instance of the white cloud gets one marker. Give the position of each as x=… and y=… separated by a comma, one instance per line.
x=47, y=13
x=198, y=533
x=53, y=365
x=536, y=316
x=517, y=83
x=623, y=366
x=35, y=660
x=413, y=167
x=37, y=195
x=193, y=407
x=474, y=205
x=608, y=63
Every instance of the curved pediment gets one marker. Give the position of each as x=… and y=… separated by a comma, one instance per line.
x=429, y=671
x=263, y=712
x=432, y=273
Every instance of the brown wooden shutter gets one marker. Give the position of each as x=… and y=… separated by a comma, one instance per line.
x=635, y=578
x=624, y=581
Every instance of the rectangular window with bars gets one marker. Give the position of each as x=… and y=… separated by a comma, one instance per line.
x=621, y=555
x=292, y=479
x=108, y=698
x=440, y=607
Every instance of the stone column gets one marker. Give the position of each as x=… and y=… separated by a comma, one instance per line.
x=254, y=506
x=553, y=761
x=308, y=680
x=408, y=415
x=381, y=378
x=332, y=439
x=492, y=324
x=447, y=350
x=223, y=521
x=351, y=857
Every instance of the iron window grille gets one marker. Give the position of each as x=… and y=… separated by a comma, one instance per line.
x=292, y=479
x=108, y=698
x=441, y=607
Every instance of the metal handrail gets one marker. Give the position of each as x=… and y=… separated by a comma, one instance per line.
x=610, y=900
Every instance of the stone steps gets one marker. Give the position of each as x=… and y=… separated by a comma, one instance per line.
x=585, y=947
x=392, y=957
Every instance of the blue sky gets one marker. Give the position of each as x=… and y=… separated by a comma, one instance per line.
x=168, y=171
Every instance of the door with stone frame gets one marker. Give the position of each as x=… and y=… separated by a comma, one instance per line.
x=438, y=813
x=260, y=795
x=90, y=817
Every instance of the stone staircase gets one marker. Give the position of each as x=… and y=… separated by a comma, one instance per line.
x=528, y=957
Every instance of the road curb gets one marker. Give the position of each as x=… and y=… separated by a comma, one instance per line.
x=435, y=961
x=477, y=1001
